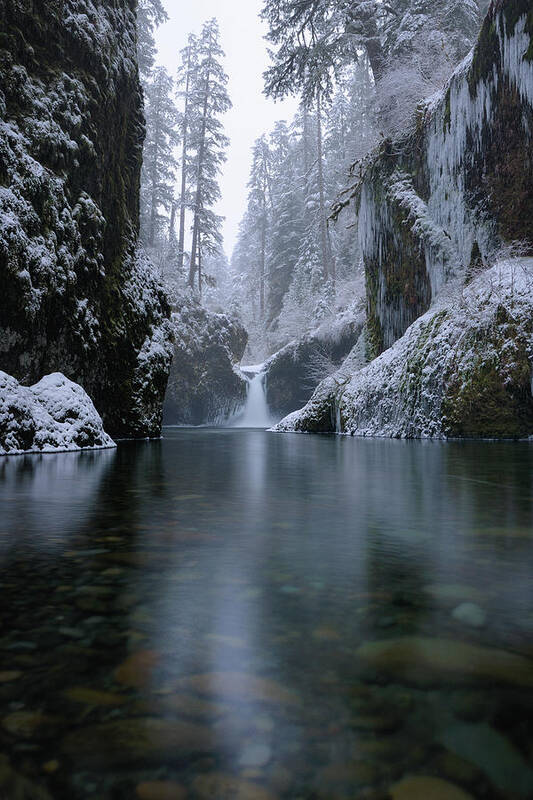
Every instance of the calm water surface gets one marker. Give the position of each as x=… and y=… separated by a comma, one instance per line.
x=236, y=614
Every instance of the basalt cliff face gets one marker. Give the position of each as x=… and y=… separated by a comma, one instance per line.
x=76, y=295
x=449, y=310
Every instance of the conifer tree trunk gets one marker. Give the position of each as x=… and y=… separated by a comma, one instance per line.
x=199, y=268
x=153, y=171
x=198, y=199
x=263, y=262
x=181, y=240
x=321, y=193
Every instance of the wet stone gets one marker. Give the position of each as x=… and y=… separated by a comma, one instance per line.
x=470, y=614
x=29, y=724
x=356, y=773
x=147, y=740
x=93, y=697
x=255, y=755
x=421, y=787
x=455, y=768
x=218, y=786
x=240, y=687
x=136, y=671
x=8, y=676
x=428, y=661
x=160, y=790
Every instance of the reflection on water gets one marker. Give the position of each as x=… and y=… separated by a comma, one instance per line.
x=236, y=614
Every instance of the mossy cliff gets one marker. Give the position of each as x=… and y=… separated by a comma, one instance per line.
x=75, y=294
x=444, y=198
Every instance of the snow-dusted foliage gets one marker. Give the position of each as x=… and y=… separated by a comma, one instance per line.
x=75, y=295
x=435, y=202
x=205, y=385
x=55, y=415
x=462, y=369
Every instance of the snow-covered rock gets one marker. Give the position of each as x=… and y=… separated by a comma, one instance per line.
x=76, y=295
x=205, y=384
x=462, y=369
x=294, y=372
x=55, y=415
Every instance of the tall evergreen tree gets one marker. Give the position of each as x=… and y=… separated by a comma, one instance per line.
x=150, y=14
x=157, y=187
x=208, y=101
x=189, y=59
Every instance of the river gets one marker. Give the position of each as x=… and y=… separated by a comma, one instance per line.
x=240, y=614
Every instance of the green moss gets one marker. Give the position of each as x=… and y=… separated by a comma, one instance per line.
x=411, y=383
x=494, y=398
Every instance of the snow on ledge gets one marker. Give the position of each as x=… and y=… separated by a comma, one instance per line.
x=55, y=415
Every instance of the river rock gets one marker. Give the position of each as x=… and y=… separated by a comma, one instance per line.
x=470, y=614
x=16, y=787
x=145, y=740
x=356, y=773
x=188, y=705
x=93, y=697
x=422, y=787
x=428, y=661
x=136, y=671
x=255, y=755
x=492, y=753
x=238, y=687
x=10, y=675
x=218, y=786
x=452, y=593
x=160, y=790
x=28, y=724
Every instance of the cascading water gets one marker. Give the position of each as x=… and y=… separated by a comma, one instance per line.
x=255, y=413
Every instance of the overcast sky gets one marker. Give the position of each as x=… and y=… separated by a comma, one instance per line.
x=246, y=58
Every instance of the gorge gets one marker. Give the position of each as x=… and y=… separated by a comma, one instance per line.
x=196, y=603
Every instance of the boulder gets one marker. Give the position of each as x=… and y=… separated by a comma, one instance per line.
x=54, y=415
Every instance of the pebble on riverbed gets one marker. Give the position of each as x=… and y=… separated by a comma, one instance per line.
x=470, y=614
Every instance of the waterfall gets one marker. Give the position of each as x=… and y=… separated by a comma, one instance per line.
x=255, y=413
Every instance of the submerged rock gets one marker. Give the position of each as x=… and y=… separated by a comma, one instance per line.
x=218, y=786
x=255, y=755
x=470, y=614
x=239, y=687
x=160, y=790
x=76, y=293
x=16, y=787
x=492, y=754
x=136, y=671
x=54, y=415
x=205, y=384
x=422, y=787
x=145, y=740
x=429, y=661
